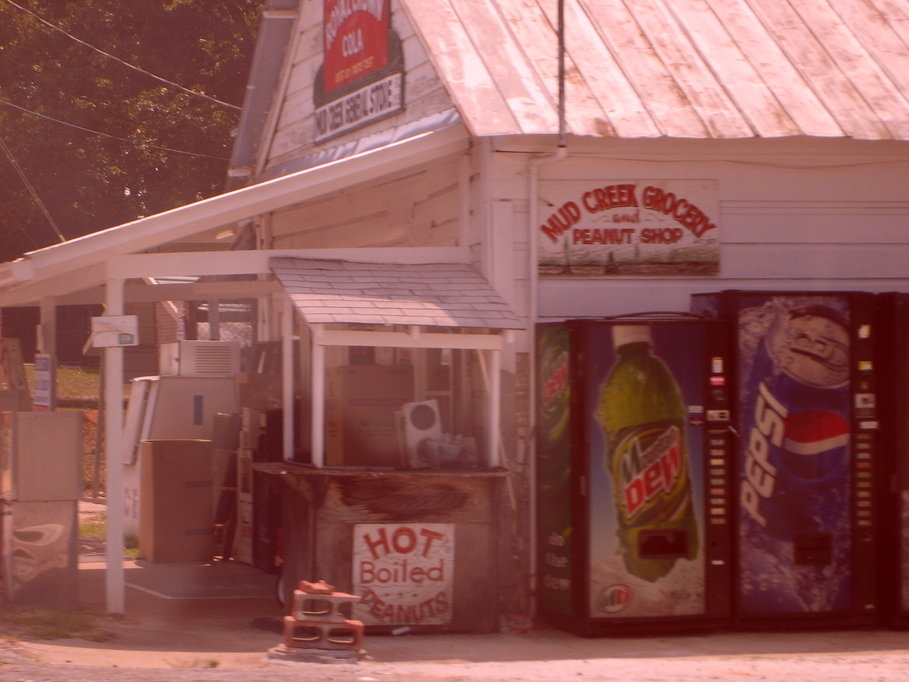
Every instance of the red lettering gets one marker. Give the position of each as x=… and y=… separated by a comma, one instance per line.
x=681, y=210
x=409, y=540
x=381, y=543
x=634, y=496
x=432, y=535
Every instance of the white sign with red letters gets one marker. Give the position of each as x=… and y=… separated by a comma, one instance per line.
x=404, y=573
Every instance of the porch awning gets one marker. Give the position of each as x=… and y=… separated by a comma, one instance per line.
x=426, y=294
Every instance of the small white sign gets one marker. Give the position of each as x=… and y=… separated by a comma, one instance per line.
x=363, y=106
x=43, y=398
x=404, y=573
x=115, y=330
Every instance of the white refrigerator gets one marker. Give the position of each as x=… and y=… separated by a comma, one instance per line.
x=168, y=407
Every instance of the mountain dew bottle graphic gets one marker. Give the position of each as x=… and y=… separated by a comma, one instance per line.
x=643, y=417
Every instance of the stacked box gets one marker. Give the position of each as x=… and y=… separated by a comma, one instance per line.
x=360, y=422
x=175, y=510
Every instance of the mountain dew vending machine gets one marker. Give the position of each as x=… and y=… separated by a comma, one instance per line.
x=633, y=474
x=806, y=458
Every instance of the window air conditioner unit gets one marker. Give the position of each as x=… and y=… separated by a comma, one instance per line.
x=199, y=359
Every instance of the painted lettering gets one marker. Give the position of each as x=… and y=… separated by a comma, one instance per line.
x=760, y=475
x=610, y=196
x=560, y=221
x=681, y=210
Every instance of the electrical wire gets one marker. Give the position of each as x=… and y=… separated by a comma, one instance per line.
x=124, y=63
x=113, y=137
x=31, y=189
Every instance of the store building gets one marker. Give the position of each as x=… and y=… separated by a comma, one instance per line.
x=423, y=179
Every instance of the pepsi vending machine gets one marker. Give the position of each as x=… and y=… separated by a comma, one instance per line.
x=806, y=456
x=633, y=474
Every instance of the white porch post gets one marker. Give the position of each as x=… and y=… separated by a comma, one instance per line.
x=47, y=340
x=495, y=405
x=287, y=376
x=318, y=397
x=113, y=449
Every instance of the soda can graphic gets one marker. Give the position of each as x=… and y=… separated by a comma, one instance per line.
x=795, y=475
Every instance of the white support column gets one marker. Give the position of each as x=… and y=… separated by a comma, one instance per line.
x=113, y=450
x=287, y=376
x=318, y=398
x=495, y=405
x=47, y=339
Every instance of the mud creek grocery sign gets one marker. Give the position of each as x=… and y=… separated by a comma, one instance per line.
x=633, y=227
x=404, y=573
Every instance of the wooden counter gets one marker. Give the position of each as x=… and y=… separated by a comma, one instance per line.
x=419, y=546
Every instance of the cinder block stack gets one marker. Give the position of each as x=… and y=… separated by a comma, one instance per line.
x=316, y=622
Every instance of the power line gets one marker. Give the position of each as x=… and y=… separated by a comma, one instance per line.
x=120, y=61
x=31, y=190
x=113, y=137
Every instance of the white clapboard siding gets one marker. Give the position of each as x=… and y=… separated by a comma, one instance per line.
x=417, y=208
x=816, y=221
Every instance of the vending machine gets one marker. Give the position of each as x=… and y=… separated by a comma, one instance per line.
x=633, y=474
x=892, y=364
x=806, y=456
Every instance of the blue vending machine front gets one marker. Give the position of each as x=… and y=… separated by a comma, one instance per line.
x=806, y=455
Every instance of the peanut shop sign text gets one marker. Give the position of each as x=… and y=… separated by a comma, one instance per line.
x=629, y=227
x=404, y=573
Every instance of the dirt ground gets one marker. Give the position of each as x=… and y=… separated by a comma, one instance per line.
x=535, y=656
x=188, y=622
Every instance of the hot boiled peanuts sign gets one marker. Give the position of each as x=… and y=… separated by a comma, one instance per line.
x=629, y=227
x=404, y=573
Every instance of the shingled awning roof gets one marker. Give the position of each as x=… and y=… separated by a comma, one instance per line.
x=434, y=294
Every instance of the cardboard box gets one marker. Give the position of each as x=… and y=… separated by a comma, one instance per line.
x=175, y=502
x=360, y=421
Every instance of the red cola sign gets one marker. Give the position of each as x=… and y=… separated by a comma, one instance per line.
x=629, y=228
x=355, y=39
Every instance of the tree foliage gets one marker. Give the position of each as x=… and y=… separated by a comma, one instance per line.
x=163, y=147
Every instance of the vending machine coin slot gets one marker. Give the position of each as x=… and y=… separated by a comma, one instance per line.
x=662, y=544
x=813, y=549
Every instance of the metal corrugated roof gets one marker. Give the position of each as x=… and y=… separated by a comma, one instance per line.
x=676, y=68
x=433, y=294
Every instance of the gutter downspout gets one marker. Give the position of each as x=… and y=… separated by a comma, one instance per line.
x=533, y=167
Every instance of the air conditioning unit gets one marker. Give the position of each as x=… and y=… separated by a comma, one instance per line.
x=422, y=433
x=199, y=359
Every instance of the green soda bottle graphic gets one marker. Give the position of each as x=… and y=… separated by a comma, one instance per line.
x=643, y=418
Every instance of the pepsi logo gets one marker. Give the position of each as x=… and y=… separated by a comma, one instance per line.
x=614, y=598
x=815, y=431
x=815, y=444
